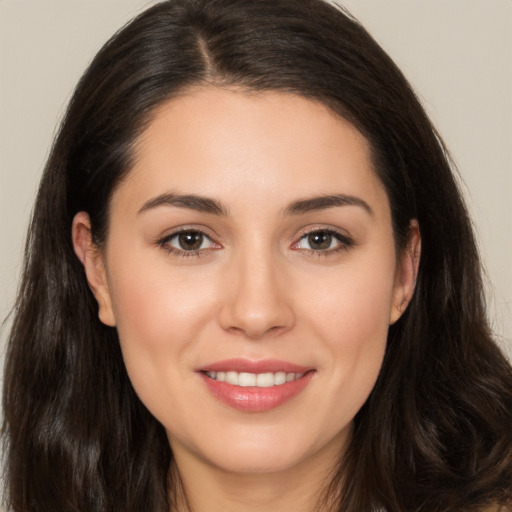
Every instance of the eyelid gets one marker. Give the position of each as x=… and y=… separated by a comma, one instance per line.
x=164, y=241
x=345, y=240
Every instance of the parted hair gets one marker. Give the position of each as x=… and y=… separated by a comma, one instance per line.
x=435, y=435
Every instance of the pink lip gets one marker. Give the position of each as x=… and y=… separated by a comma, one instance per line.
x=253, y=398
x=246, y=365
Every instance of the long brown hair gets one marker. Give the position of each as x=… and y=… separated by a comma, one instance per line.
x=435, y=434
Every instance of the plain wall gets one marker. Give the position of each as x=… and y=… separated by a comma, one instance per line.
x=456, y=53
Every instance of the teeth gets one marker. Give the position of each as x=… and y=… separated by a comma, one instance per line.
x=246, y=379
x=279, y=378
x=232, y=378
x=260, y=380
x=265, y=380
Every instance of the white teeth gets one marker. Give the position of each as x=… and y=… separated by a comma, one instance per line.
x=279, y=378
x=265, y=380
x=260, y=380
x=247, y=379
x=232, y=378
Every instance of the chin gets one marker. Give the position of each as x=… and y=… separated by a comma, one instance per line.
x=265, y=450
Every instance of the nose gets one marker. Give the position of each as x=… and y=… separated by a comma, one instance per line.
x=257, y=297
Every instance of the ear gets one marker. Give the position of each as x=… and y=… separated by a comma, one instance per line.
x=92, y=259
x=406, y=273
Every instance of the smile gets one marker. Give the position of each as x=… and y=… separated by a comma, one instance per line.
x=255, y=386
x=260, y=380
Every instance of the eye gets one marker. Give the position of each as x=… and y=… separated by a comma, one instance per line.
x=188, y=242
x=323, y=240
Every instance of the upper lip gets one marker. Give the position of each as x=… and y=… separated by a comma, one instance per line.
x=250, y=366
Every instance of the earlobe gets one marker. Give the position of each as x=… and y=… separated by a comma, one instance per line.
x=407, y=272
x=92, y=260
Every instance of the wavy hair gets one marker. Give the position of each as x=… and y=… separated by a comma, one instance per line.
x=435, y=435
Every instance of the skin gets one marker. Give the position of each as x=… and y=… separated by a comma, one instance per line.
x=257, y=288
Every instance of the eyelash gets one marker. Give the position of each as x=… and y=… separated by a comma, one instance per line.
x=164, y=243
x=345, y=243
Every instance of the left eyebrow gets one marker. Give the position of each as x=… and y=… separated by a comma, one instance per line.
x=323, y=202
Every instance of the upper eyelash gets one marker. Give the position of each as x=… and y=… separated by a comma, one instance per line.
x=164, y=243
x=346, y=242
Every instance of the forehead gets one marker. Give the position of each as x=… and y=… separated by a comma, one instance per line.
x=228, y=143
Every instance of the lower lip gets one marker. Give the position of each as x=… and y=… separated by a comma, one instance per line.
x=253, y=398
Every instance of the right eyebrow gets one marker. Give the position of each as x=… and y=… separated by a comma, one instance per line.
x=189, y=201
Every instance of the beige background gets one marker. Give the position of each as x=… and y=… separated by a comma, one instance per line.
x=457, y=54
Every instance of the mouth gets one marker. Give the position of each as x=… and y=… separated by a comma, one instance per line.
x=260, y=380
x=255, y=386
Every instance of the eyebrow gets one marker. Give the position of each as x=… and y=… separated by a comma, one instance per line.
x=211, y=206
x=323, y=202
x=189, y=201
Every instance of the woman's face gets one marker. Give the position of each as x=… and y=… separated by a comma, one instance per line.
x=250, y=269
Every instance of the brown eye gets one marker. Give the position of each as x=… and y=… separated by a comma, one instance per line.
x=323, y=241
x=320, y=240
x=190, y=240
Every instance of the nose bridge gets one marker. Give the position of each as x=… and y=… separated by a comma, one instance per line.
x=257, y=301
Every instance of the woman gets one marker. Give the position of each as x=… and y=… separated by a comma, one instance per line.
x=251, y=283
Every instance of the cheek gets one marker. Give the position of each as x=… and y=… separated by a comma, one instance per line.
x=351, y=315
x=352, y=303
x=153, y=303
x=159, y=314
